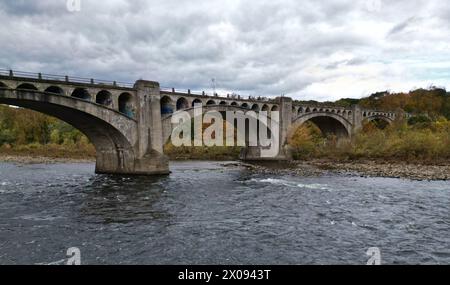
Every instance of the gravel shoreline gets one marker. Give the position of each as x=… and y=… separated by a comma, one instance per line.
x=412, y=171
x=368, y=168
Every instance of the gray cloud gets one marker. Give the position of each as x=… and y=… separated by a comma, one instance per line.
x=308, y=50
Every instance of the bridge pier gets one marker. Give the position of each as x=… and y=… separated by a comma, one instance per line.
x=357, y=119
x=285, y=121
x=141, y=151
x=150, y=158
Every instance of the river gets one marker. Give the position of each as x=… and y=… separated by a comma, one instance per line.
x=205, y=213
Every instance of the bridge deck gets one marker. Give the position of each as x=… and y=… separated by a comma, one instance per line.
x=63, y=79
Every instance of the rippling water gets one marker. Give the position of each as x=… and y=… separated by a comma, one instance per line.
x=204, y=213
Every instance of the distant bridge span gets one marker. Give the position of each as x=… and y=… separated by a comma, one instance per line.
x=129, y=123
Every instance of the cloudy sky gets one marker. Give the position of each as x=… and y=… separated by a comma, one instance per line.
x=302, y=48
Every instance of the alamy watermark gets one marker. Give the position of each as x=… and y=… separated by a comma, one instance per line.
x=253, y=129
x=74, y=255
x=375, y=256
x=73, y=5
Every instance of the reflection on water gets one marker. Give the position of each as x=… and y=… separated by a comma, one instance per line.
x=206, y=213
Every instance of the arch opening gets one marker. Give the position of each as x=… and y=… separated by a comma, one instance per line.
x=182, y=103
x=255, y=107
x=104, y=98
x=197, y=101
x=55, y=90
x=27, y=86
x=210, y=102
x=81, y=93
x=330, y=126
x=126, y=105
x=166, y=105
x=375, y=123
x=274, y=108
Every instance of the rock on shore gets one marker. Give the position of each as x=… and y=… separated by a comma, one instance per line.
x=355, y=168
x=415, y=171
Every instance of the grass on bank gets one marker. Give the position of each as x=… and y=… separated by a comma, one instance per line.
x=50, y=151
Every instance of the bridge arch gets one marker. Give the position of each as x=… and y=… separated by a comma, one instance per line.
x=223, y=103
x=233, y=104
x=126, y=104
x=182, y=103
x=328, y=123
x=274, y=108
x=196, y=101
x=112, y=134
x=255, y=107
x=81, y=93
x=211, y=102
x=3, y=85
x=245, y=106
x=166, y=105
x=379, y=120
x=104, y=98
x=54, y=90
x=27, y=86
x=265, y=108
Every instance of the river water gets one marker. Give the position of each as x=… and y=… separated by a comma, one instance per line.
x=205, y=213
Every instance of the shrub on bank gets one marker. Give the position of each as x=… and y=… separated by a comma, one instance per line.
x=400, y=141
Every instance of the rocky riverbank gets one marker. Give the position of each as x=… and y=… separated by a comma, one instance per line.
x=413, y=171
x=408, y=170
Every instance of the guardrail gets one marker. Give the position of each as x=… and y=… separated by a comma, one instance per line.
x=62, y=78
x=74, y=79
x=219, y=96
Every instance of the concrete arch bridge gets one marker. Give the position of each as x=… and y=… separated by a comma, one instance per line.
x=129, y=123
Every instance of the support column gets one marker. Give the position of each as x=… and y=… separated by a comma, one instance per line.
x=285, y=125
x=150, y=157
x=285, y=122
x=357, y=119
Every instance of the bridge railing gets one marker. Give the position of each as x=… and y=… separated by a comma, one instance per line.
x=186, y=91
x=62, y=78
x=219, y=96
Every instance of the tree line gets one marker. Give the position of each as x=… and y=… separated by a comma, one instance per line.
x=426, y=133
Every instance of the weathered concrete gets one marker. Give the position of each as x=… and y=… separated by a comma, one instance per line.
x=123, y=144
x=130, y=125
